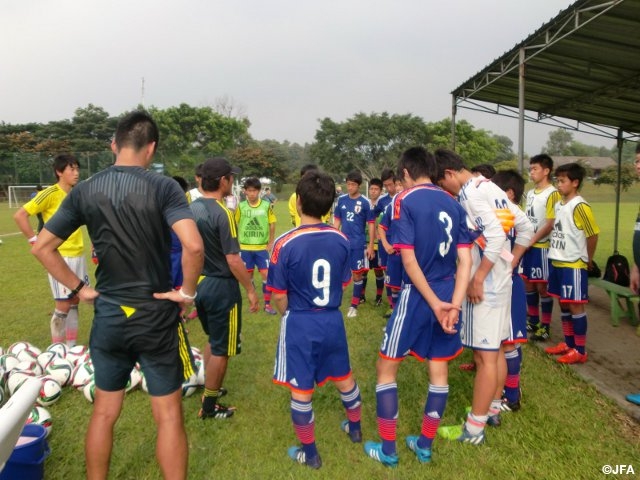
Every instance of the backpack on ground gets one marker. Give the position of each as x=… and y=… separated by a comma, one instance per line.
x=617, y=270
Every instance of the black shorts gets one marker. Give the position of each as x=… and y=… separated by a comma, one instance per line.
x=219, y=305
x=152, y=335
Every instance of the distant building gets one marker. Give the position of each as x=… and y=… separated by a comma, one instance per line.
x=596, y=164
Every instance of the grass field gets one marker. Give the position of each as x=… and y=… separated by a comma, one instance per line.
x=565, y=430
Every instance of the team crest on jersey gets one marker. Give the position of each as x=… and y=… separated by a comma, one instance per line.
x=358, y=207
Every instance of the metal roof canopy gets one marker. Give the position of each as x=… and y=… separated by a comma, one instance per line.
x=580, y=71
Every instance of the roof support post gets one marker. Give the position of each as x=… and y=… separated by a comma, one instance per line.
x=521, y=78
x=453, y=122
x=619, y=144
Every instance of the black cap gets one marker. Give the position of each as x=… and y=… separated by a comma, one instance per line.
x=218, y=167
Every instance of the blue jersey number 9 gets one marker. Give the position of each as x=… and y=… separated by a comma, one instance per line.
x=321, y=279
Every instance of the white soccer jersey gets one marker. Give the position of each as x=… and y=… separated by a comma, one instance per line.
x=483, y=201
x=568, y=242
x=537, y=208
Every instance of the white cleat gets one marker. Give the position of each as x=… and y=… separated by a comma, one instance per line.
x=353, y=312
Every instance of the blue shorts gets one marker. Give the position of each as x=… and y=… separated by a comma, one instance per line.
x=518, y=312
x=255, y=258
x=176, y=269
x=152, y=335
x=312, y=349
x=568, y=285
x=358, y=260
x=414, y=330
x=535, y=265
x=393, y=273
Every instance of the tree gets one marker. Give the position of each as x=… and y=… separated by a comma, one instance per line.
x=558, y=142
x=261, y=160
x=368, y=143
x=609, y=176
x=474, y=146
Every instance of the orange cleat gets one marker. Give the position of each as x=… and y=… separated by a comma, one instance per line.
x=573, y=356
x=559, y=349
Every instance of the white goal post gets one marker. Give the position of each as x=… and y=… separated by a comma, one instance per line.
x=21, y=194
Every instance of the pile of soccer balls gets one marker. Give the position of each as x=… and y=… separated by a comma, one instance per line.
x=59, y=366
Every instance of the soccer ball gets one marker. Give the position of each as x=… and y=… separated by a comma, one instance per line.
x=60, y=369
x=8, y=361
x=50, y=391
x=16, y=380
x=78, y=354
x=45, y=358
x=89, y=391
x=82, y=374
x=135, y=378
x=30, y=354
x=40, y=416
x=30, y=365
x=16, y=347
x=60, y=349
x=190, y=386
x=200, y=372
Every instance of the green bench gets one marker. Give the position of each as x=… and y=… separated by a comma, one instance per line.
x=616, y=294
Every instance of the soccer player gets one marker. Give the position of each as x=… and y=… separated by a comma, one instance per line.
x=385, y=248
x=308, y=271
x=196, y=192
x=256, y=232
x=353, y=214
x=64, y=322
x=129, y=211
x=375, y=190
x=512, y=183
x=293, y=212
x=540, y=209
x=434, y=241
x=219, y=301
x=573, y=243
x=487, y=309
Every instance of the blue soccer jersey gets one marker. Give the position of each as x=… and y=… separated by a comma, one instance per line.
x=354, y=214
x=310, y=264
x=430, y=221
x=382, y=203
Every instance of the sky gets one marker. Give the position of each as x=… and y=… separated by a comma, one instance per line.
x=286, y=63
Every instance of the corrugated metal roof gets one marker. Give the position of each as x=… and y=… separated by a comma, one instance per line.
x=584, y=65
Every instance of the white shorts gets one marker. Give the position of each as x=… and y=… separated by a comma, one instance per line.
x=484, y=325
x=78, y=265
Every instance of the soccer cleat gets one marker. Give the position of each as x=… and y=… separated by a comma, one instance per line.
x=541, y=335
x=532, y=327
x=559, y=349
x=466, y=437
x=573, y=356
x=374, y=450
x=423, y=454
x=270, y=310
x=355, y=436
x=507, y=406
x=378, y=301
x=353, y=312
x=297, y=455
x=494, y=420
x=363, y=299
x=633, y=398
x=220, y=411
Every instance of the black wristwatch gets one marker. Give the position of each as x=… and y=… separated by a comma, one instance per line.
x=75, y=291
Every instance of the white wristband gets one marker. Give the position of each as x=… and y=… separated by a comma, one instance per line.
x=187, y=297
x=33, y=239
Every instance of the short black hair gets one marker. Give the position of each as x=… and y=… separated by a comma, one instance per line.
x=183, y=183
x=418, y=162
x=573, y=171
x=484, y=169
x=137, y=130
x=510, y=180
x=447, y=160
x=252, y=182
x=388, y=173
x=316, y=191
x=354, y=176
x=307, y=168
x=62, y=161
x=544, y=160
x=198, y=172
x=376, y=181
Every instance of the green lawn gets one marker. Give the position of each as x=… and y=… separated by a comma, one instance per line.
x=565, y=430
